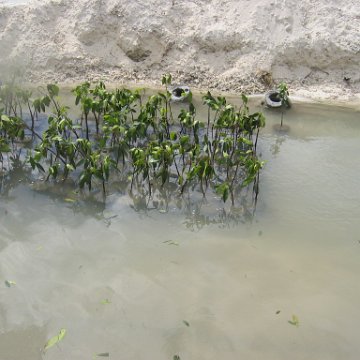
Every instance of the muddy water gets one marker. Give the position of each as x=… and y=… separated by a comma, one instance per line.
x=144, y=285
x=14, y=2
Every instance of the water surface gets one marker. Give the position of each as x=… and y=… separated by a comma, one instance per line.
x=147, y=285
x=14, y=2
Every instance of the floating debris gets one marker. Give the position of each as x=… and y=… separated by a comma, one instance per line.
x=9, y=283
x=54, y=340
x=294, y=321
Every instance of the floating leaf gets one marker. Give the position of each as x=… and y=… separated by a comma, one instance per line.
x=171, y=242
x=294, y=321
x=186, y=323
x=69, y=200
x=8, y=283
x=103, y=354
x=278, y=312
x=105, y=301
x=54, y=340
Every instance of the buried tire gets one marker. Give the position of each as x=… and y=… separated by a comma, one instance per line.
x=273, y=99
x=180, y=93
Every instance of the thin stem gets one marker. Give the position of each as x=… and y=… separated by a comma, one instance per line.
x=87, y=126
x=256, y=140
x=32, y=117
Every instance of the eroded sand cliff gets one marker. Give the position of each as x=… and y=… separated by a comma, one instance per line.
x=229, y=45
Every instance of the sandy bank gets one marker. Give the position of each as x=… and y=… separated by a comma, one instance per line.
x=231, y=46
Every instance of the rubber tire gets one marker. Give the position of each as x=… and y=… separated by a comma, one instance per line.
x=272, y=99
x=177, y=91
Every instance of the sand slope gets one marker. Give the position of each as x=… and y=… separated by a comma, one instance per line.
x=230, y=45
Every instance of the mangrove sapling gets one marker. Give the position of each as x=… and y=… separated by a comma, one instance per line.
x=284, y=98
x=146, y=144
x=25, y=97
x=12, y=131
x=82, y=97
x=86, y=106
x=53, y=93
x=166, y=81
x=95, y=165
x=7, y=96
x=99, y=103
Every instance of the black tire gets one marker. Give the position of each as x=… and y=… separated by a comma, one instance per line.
x=180, y=93
x=272, y=99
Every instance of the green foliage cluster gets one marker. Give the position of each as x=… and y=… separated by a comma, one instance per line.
x=284, y=94
x=121, y=133
x=284, y=98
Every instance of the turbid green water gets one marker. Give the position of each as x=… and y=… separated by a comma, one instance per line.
x=151, y=285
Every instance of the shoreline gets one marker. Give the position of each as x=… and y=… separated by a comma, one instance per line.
x=232, y=47
x=322, y=94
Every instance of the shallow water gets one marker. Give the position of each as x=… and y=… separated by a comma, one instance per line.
x=144, y=285
x=14, y=2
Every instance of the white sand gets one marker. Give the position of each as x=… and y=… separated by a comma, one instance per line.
x=228, y=45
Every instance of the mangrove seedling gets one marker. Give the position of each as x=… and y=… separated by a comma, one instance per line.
x=284, y=98
x=141, y=143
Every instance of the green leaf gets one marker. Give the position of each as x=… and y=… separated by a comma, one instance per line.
x=53, y=90
x=246, y=141
x=5, y=118
x=70, y=167
x=45, y=101
x=294, y=321
x=105, y=302
x=186, y=323
x=244, y=98
x=103, y=354
x=173, y=136
x=223, y=191
x=191, y=108
x=184, y=139
x=166, y=79
x=171, y=242
x=9, y=283
x=225, y=194
x=4, y=148
x=54, y=340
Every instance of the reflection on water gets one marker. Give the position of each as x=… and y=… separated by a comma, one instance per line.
x=187, y=277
